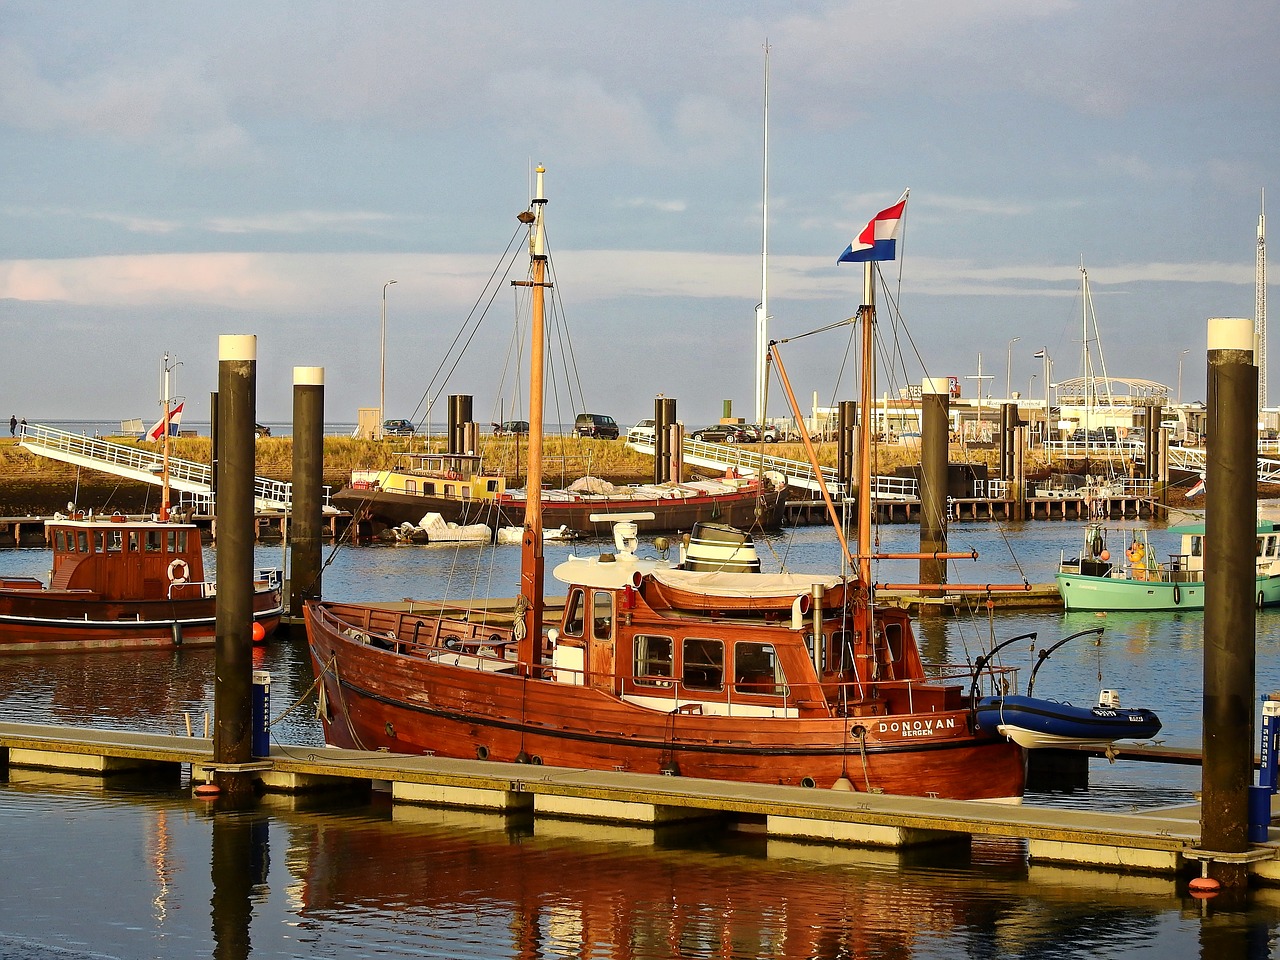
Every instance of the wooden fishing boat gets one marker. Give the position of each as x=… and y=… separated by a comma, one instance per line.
x=798, y=680
x=120, y=583
x=457, y=488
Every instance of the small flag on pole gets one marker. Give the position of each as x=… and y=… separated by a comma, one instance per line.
x=1196, y=489
x=879, y=238
x=175, y=418
x=1039, y=355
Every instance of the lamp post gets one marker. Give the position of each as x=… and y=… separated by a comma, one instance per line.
x=382, y=375
x=1008, y=367
x=1180, y=356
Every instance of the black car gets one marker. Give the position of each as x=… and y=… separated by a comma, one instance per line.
x=397, y=428
x=596, y=425
x=509, y=428
x=723, y=433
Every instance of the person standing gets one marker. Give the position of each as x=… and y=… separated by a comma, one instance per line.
x=13, y=425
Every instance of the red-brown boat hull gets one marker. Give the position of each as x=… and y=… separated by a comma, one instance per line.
x=376, y=699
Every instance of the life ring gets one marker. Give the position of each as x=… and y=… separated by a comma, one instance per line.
x=1135, y=552
x=178, y=571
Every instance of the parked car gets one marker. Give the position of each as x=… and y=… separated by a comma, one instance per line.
x=723, y=433
x=642, y=432
x=769, y=433
x=516, y=428
x=596, y=425
x=397, y=428
x=260, y=430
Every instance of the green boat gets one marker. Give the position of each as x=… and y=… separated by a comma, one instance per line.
x=1136, y=579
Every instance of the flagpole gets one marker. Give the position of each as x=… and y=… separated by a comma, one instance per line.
x=164, y=474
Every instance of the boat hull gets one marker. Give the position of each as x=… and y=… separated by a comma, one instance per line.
x=1083, y=592
x=1033, y=723
x=35, y=621
x=377, y=699
x=743, y=509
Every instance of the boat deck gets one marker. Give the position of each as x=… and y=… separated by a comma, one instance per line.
x=1158, y=841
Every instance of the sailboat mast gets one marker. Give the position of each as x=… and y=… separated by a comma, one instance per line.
x=164, y=422
x=531, y=551
x=867, y=421
x=1260, y=304
x=762, y=311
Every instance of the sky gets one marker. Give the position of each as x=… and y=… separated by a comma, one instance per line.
x=175, y=171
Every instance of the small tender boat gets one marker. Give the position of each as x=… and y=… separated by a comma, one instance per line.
x=1097, y=579
x=120, y=583
x=1034, y=723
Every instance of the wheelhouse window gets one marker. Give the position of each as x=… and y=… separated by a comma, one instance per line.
x=822, y=650
x=573, y=613
x=114, y=540
x=842, y=647
x=176, y=541
x=757, y=670
x=153, y=543
x=133, y=541
x=602, y=614
x=82, y=541
x=60, y=541
x=1197, y=546
x=703, y=664
x=653, y=660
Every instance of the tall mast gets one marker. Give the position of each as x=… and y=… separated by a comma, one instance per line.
x=531, y=550
x=164, y=423
x=762, y=311
x=1260, y=304
x=866, y=419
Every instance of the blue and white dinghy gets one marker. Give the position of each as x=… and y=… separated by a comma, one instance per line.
x=1034, y=723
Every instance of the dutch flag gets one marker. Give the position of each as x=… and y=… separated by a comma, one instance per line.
x=1196, y=489
x=879, y=238
x=175, y=418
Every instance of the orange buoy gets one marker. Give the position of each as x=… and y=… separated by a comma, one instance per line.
x=259, y=632
x=1204, y=887
x=207, y=791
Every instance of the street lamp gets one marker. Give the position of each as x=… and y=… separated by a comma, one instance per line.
x=382, y=376
x=1008, y=366
x=1180, y=356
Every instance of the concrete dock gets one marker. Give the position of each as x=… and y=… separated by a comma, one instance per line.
x=1156, y=841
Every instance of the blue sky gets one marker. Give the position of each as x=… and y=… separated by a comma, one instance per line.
x=174, y=171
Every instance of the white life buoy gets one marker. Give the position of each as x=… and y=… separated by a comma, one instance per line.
x=178, y=571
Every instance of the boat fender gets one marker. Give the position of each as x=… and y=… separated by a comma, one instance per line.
x=1177, y=594
x=1096, y=546
x=178, y=571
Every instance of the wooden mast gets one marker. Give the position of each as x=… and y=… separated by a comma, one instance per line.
x=164, y=423
x=531, y=550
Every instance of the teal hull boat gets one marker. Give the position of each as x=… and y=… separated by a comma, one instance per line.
x=1136, y=580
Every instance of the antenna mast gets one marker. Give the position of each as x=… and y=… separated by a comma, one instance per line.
x=1260, y=304
x=762, y=311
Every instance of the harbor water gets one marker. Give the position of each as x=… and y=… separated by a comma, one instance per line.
x=125, y=869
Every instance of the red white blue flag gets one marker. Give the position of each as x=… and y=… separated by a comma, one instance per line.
x=175, y=418
x=1196, y=489
x=879, y=238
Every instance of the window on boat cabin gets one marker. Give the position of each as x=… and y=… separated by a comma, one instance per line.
x=60, y=541
x=153, y=541
x=842, y=647
x=703, y=664
x=176, y=541
x=411, y=486
x=602, y=614
x=822, y=652
x=491, y=486
x=115, y=540
x=429, y=488
x=891, y=636
x=82, y=541
x=132, y=542
x=573, y=612
x=1197, y=546
x=1271, y=547
x=756, y=670
x=653, y=660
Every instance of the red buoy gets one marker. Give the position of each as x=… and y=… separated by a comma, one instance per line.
x=207, y=791
x=1204, y=887
x=259, y=632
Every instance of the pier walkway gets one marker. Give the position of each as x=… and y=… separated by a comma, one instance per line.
x=1160, y=841
x=146, y=466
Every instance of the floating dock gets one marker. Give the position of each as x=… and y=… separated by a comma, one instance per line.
x=1156, y=841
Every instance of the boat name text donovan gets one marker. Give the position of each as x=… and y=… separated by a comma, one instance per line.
x=916, y=728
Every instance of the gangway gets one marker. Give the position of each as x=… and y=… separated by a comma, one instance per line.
x=146, y=466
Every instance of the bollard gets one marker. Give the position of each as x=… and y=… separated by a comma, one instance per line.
x=1259, y=813
x=261, y=745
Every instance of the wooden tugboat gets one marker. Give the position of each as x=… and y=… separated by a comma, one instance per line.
x=655, y=669
x=120, y=583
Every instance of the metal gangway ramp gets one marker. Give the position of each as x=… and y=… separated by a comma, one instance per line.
x=145, y=466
